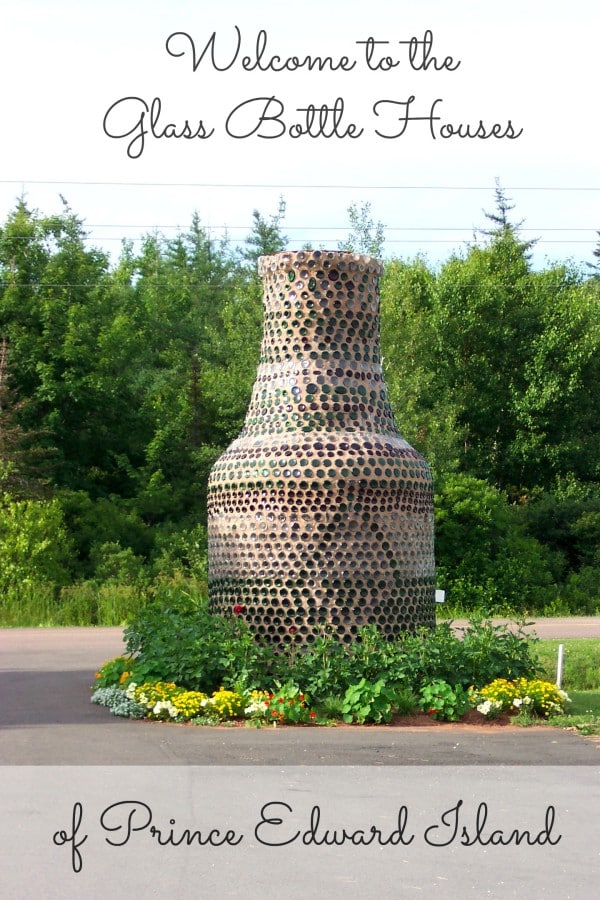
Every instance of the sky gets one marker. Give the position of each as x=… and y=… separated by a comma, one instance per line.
x=78, y=75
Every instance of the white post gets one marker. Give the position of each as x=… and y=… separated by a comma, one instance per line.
x=559, y=665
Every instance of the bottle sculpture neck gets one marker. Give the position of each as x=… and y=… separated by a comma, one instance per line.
x=320, y=365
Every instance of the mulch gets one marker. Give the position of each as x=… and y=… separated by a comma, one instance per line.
x=470, y=718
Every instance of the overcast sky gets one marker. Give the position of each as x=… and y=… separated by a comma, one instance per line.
x=528, y=67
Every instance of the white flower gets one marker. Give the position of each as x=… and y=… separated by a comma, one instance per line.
x=489, y=706
x=129, y=693
x=167, y=706
x=517, y=702
x=256, y=706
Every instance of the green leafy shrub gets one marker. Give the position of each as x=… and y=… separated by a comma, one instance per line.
x=287, y=704
x=176, y=644
x=369, y=702
x=444, y=701
x=113, y=671
x=581, y=592
x=478, y=654
x=486, y=559
x=106, y=533
x=181, y=550
x=323, y=668
x=116, y=565
x=184, y=643
x=178, y=640
x=34, y=545
x=490, y=651
x=329, y=666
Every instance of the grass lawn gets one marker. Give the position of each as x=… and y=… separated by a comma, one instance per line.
x=585, y=702
x=583, y=713
x=581, y=680
x=581, y=662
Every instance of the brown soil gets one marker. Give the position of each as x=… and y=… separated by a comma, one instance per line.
x=472, y=718
x=471, y=721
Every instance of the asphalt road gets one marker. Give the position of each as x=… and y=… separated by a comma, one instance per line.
x=46, y=718
x=547, y=629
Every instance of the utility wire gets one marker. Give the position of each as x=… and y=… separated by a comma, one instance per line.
x=345, y=227
x=320, y=187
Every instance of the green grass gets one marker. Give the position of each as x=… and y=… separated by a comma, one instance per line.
x=583, y=713
x=88, y=604
x=584, y=702
x=581, y=662
x=83, y=604
x=581, y=680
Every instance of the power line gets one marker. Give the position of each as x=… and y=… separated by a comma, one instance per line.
x=345, y=227
x=101, y=239
x=320, y=187
x=208, y=228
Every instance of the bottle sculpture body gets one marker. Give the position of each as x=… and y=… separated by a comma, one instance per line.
x=320, y=515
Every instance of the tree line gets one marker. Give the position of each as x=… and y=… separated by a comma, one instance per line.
x=121, y=383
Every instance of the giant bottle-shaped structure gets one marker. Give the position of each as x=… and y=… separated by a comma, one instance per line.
x=320, y=515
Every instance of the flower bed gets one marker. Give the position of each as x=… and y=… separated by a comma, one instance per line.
x=535, y=697
x=166, y=702
x=185, y=664
x=363, y=702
